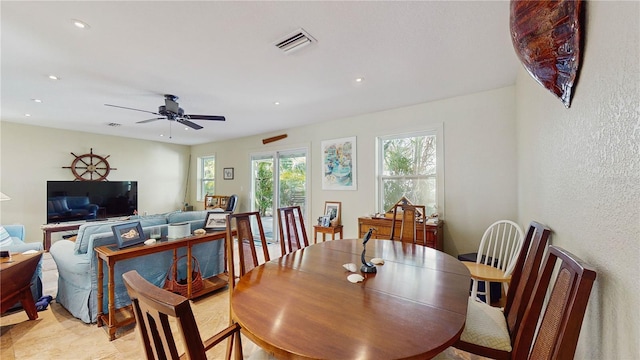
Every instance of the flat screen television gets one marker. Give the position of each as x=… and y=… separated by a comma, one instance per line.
x=90, y=200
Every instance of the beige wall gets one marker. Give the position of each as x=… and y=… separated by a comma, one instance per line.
x=31, y=155
x=479, y=159
x=579, y=172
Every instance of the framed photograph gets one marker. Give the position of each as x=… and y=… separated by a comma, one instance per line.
x=332, y=210
x=128, y=234
x=227, y=173
x=216, y=221
x=325, y=221
x=339, y=164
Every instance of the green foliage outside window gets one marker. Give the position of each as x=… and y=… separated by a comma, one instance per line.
x=409, y=169
x=264, y=188
x=292, y=180
x=292, y=171
x=208, y=175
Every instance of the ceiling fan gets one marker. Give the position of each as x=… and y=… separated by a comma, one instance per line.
x=173, y=112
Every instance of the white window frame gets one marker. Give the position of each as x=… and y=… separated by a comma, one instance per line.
x=436, y=130
x=201, y=178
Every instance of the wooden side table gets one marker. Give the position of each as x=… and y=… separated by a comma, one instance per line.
x=15, y=278
x=333, y=230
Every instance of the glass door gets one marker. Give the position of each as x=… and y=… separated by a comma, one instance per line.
x=278, y=179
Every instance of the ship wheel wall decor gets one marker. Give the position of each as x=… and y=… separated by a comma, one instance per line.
x=90, y=167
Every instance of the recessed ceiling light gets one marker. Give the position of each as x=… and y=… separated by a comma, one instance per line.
x=359, y=79
x=37, y=100
x=53, y=77
x=276, y=103
x=161, y=135
x=80, y=24
x=186, y=128
x=27, y=115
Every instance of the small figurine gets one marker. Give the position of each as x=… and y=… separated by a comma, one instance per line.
x=366, y=267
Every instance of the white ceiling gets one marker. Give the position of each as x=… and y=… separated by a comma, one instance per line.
x=220, y=59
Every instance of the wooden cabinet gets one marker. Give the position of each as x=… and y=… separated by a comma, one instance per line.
x=382, y=230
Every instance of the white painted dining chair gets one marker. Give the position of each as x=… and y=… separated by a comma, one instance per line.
x=499, y=248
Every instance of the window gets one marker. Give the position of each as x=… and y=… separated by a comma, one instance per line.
x=410, y=165
x=206, y=176
x=279, y=179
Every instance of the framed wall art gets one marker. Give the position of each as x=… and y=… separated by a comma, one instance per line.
x=227, y=173
x=339, y=164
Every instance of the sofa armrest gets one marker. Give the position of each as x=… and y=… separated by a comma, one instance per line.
x=16, y=230
x=66, y=259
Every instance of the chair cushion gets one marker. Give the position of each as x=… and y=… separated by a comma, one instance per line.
x=5, y=238
x=486, y=326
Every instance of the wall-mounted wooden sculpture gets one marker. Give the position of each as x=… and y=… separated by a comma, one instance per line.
x=90, y=167
x=548, y=36
x=272, y=139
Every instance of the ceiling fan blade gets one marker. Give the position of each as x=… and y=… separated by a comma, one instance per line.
x=149, y=120
x=205, y=117
x=128, y=108
x=189, y=123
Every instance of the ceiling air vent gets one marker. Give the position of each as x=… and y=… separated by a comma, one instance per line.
x=114, y=124
x=295, y=41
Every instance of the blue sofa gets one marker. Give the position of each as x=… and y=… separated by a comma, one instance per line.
x=77, y=262
x=17, y=245
x=65, y=208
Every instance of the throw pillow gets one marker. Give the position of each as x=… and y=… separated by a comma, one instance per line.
x=5, y=238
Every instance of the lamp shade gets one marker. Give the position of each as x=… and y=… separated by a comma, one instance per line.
x=4, y=197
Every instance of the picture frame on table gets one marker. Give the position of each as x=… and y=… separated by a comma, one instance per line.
x=227, y=173
x=216, y=221
x=326, y=221
x=128, y=234
x=332, y=209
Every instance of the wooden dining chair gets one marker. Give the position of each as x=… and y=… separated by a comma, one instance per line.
x=411, y=218
x=154, y=306
x=554, y=334
x=487, y=328
x=496, y=257
x=293, y=235
x=244, y=242
x=559, y=329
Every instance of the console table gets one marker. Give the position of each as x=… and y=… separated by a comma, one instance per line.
x=110, y=255
x=382, y=230
x=48, y=229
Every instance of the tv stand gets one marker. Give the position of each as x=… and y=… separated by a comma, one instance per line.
x=48, y=229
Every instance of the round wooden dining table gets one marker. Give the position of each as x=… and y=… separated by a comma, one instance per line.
x=302, y=305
